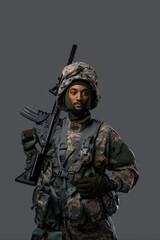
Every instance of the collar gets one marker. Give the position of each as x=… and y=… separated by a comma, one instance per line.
x=79, y=125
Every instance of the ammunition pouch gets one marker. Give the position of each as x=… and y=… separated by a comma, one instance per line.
x=46, y=206
x=80, y=211
x=74, y=208
x=110, y=202
x=74, y=211
x=93, y=209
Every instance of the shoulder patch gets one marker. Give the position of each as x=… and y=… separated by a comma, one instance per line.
x=121, y=153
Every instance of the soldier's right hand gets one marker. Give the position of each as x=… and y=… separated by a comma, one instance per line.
x=29, y=139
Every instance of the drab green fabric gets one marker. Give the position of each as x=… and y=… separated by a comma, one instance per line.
x=87, y=141
x=37, y=234
x=121, y=153
x=54, y=236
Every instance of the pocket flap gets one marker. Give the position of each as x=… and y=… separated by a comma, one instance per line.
x=93, y=208
x=74, y=208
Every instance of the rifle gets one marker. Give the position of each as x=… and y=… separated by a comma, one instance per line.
x=49, y=122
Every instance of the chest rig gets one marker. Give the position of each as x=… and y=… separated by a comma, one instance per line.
x=59, y=199
x=69, y=169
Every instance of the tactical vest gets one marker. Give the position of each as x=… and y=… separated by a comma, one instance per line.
x=58, y=198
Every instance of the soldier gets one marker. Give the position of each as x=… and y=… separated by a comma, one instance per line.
x=76, y=196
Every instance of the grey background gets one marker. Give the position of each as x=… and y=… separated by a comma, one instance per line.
x=121, y=40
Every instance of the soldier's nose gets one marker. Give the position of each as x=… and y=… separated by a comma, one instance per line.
x=79, y=96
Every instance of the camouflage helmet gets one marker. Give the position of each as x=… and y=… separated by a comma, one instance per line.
x=78, y=71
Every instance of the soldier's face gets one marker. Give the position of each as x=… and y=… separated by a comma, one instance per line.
x=79, y=96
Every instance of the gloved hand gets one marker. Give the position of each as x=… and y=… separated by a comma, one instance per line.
x=98, y=185
x=29, y=139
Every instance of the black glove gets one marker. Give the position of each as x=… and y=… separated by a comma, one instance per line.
x=29, y=139
x=98, y=185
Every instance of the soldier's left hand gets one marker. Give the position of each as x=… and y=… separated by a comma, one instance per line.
x=98, y=185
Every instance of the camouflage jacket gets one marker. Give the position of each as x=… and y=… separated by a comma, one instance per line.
x=107, y=156
x=124, y=172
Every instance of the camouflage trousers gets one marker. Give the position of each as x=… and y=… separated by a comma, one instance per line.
x=100, y=230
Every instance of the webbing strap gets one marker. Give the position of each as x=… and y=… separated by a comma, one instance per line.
x=54, y=236
x=88, y=137
x=37, y=234
x=62, y=173
x=63, y=143
x=86, y=143
x=112, y=227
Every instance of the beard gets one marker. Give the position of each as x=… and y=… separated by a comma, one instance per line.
x=80, y=113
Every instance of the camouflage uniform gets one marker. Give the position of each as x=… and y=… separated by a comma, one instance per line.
x=82, y=217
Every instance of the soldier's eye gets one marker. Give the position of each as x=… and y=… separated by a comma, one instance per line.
x=73, y=93
x=85, y=93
